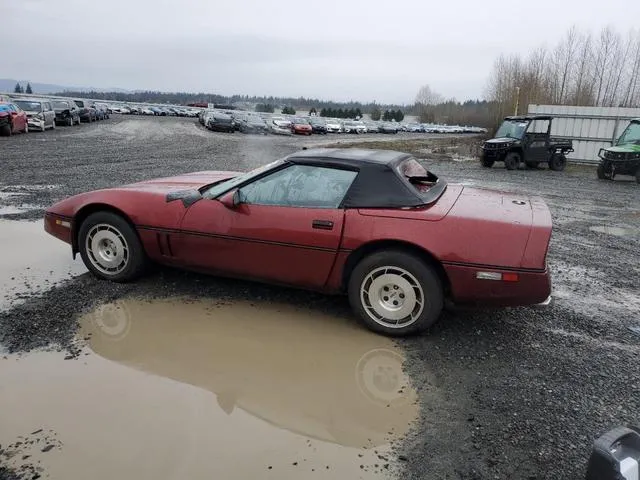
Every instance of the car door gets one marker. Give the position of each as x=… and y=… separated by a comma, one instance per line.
x=537, y=141
x=286, y=227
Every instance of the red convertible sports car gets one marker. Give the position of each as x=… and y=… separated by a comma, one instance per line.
x=373, y=224
x=301, y=126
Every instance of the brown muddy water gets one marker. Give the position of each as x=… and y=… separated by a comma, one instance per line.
x=182, y=388
x=32, y=260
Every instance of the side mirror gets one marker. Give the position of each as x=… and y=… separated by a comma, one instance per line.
x=231, y=199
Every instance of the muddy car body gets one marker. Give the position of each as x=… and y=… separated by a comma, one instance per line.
x=624, y=157
x=526, y=139
x=375, y=225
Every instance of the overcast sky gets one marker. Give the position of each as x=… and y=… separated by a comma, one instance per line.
x=363, y=50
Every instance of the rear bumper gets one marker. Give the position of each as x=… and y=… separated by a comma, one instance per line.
x=531, y=288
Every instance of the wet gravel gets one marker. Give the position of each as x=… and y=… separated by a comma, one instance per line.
x=523, y=392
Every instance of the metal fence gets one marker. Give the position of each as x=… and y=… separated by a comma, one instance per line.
x=590, y=128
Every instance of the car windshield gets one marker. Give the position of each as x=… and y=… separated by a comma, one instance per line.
x=418, y=176
x=29, y=106
x=631, y=134
x=60, y=104
x=219, y=188
x=300, y=121
x=317, y=121
x=511, y=129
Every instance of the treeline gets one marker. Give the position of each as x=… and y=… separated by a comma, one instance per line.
x=583, y=69
x=184, y=98
x=340, y=112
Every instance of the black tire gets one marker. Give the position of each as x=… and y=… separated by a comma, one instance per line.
x=486, y=162
x=7, y=130
x=69, y=122
x=601, y=172
x=638, y=175
x=512, y=161
x=136, y=260
x=532, y=164
x=425, y=276
x=557, y=162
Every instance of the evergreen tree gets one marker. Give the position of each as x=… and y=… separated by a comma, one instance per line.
x=376, y=114
x=399, y=116
x=18, y=88
x=28, y=90
x=313, y=111
x=287, y=110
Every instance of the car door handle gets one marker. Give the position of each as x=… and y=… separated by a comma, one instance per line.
x=322, y=224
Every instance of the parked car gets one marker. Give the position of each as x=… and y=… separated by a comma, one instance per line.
x=318, y=125
x=624, y=157
x=374, y=225
x=334, y=126
x=221, y=122
x=12, y=119
x=40, y=114
x=415, y=128
x=67, y=112
x=352, y=126
x=372, y=127
x=254, y=124
x=103, y=108
x=99, y=113
x=280, y=126
x=388, y=128
x=526, y=139
x=301, y=126
x=87, y=114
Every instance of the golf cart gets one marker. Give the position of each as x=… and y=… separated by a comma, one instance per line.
x=526, y=139
x=624, y=157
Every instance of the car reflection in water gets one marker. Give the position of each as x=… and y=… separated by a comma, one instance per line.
x=310, y=373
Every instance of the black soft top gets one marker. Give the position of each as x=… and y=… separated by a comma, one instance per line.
x=379, y=183
x=529, y=117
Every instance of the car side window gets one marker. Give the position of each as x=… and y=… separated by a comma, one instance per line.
x=300, y=186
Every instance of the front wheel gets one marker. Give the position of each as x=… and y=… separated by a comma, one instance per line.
x=110, y=247
x=395, y=293
x=557, y=162
x=486, y=162
x=638, y=175
x=512, y=161
x=7, y=130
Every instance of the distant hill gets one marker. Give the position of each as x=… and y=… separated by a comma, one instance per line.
x=8, y=84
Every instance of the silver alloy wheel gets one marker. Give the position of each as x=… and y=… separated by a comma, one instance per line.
x=392, y=297
x=107, y=249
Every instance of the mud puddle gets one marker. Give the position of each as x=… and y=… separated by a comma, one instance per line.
x=32, y=262
x=611, y=230
x=181, y=388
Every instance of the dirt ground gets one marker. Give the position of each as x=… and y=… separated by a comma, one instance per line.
x=187, y=375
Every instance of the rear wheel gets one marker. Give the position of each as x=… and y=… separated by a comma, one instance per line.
x=557, y=162
x=486, y=162
x=512, y=161
x=110, y=247
x=395, y=293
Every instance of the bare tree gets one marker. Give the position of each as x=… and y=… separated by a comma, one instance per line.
x=425, y=100
x=427, y=96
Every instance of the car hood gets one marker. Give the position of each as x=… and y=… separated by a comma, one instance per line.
x=501, y=140
x=626, y=148
x=188, y=181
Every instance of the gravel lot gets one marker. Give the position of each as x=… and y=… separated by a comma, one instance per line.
x=521, y=392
